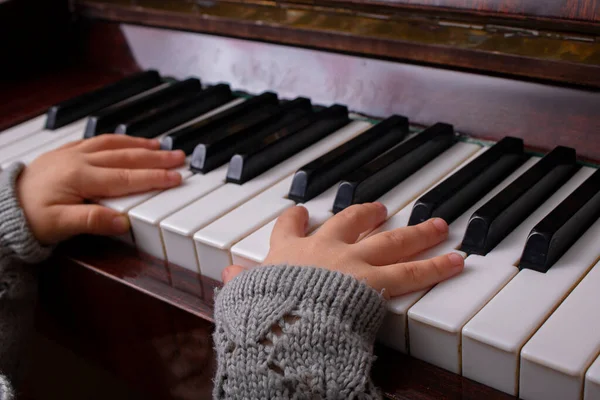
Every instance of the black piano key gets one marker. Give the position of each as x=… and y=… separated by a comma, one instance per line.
x=325, y=171
x=458, y=193
x=228, y=122
x=79, y=107
x=550, y=239
x=216, y=151
x=372, y=180
x=254, y=160
x=160, y=120
x=491, y=223
x=107, y=120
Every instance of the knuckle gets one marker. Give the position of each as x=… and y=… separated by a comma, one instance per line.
x=124, y=176
x=394, y=238
x=353, y=213
x=92, y=220
x=438, y=266
x=413, y=272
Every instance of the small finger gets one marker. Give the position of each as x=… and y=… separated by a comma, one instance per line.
x=113, y=182
x=392, y=246
x=399, y=279
x=350, y=223
x=292, y=223
x=231, y=272
x=111, y=141
x=90, y=219
x=137, y=158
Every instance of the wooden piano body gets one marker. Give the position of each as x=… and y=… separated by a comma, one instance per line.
x=491, y=68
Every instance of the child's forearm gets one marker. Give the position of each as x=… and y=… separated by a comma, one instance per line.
x=283, y=330
x=19, y=250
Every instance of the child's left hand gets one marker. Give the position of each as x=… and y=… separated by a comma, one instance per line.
x=54, y=188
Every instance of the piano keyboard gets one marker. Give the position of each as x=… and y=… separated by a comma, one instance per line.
x=520, y=318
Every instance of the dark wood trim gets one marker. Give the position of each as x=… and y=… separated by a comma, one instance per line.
x=150, y=323
x=419, y=39
x=566, y=10
x=89, y=298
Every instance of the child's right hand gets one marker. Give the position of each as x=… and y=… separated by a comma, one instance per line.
x=378, y=259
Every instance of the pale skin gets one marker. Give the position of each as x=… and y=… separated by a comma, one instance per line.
x=55, y=192
x=343, y=244
x=55, y=189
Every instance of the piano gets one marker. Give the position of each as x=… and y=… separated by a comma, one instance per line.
x=485, y=113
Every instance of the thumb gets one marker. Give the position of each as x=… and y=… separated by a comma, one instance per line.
x=91, y=219
x=231, y=272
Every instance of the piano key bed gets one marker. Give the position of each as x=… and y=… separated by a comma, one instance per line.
x=521, y=318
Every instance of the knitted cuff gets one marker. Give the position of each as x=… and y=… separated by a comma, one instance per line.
x=15, y=235
x=6, y=392
x=264, y=294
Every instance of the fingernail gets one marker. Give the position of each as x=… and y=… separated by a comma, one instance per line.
x=382, y=208
x=440, y=225
x=225, y=275
x=173, y=176
x=155, y=142
x=456, y=259
x=121, y=224
x=177, y=154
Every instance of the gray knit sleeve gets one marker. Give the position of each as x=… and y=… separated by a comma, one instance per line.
x=296, y=332
x=19, y=250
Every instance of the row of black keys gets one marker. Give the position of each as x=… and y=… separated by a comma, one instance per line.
x=261, y=132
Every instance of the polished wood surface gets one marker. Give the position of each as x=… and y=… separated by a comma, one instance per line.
x=547, y=50
x=90, y=273
x=583, y=10
x=149, y=323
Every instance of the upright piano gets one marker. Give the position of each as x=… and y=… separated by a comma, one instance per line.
x=485, y=113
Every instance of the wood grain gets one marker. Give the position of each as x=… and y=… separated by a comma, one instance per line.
x=90, y=273
x=149, y=323
x=584, y=10
x=526, y=50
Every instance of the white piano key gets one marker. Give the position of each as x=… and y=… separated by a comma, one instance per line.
x=146, y=217
x=394, y=330
x=456, y=229
x=22, y=148
x=28, y=144
x=53, y=145
x=213, y=243
x=22, y=130
x=554, y=361
x=428, y=175
x=432, y=325
x=431, y=322
x=435, y=321
x=125, y=203
x=253, y=249
x=591, y=390
x=177, y=229
x=496, y=334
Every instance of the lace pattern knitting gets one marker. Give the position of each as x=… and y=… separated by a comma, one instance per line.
x=286, y=332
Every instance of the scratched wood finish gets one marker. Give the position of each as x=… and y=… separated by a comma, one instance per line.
x=583, y=10
x=90, y=274
x=407, y=36
x=149, y=323
x=155, y=348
